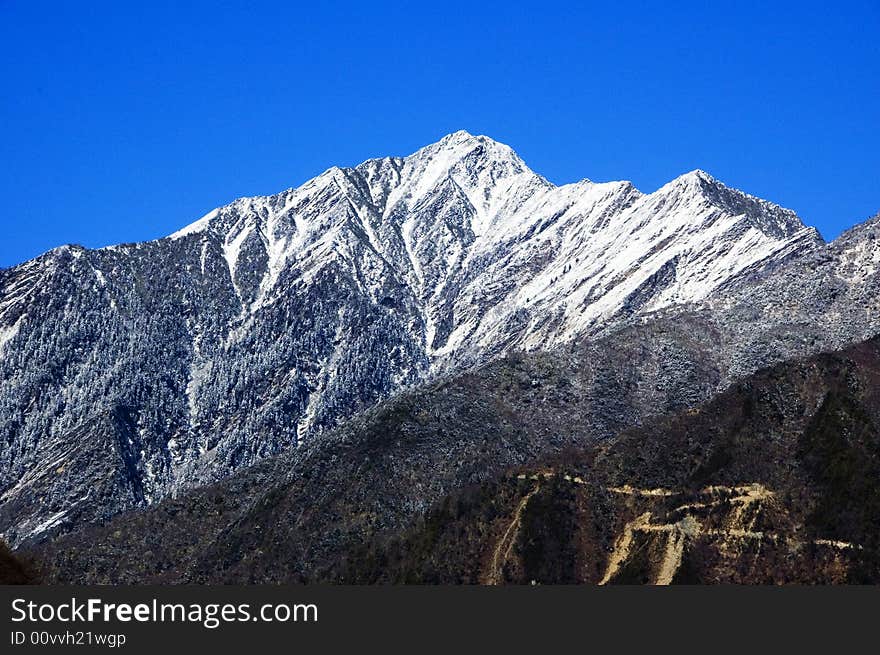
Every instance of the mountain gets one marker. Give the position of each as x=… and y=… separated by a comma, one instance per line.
x=296, y=517
x=772, y=480
x=136, y=372
x=301, y=515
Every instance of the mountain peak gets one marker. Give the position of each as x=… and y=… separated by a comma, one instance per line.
x=696, y=178
x=465, y=137
x=460, y=135
x=700, y=188
x=458, y=145
x=698, y=174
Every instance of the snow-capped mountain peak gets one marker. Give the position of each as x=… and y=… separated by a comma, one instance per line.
x=696, y=176
x=274, y=317
x=477, y=237
x=698, y=187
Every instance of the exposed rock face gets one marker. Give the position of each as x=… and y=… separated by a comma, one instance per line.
x=138, y=371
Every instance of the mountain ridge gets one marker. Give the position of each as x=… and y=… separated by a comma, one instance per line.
x=274, y=318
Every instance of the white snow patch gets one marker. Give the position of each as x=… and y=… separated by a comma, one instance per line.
x=49, y=523
x=8, y=333
x=195, y=227
x=232, y=248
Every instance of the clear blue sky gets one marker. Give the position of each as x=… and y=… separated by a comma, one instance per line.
x=123, y=123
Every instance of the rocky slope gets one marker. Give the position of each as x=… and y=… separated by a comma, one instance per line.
x=138, y=371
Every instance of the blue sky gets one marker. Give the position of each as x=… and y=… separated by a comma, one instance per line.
x=123, y=123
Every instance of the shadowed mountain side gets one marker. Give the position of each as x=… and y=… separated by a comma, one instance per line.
x=14, y=570
x=773, y=481
x=292, y=517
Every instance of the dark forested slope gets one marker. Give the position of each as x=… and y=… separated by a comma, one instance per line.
x=773, y=481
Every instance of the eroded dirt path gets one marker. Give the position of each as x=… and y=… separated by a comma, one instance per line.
x=737, y=527
x=503, y=548
x=623, y=545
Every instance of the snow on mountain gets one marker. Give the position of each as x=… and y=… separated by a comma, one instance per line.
x=484, y=243
x=178, y=361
